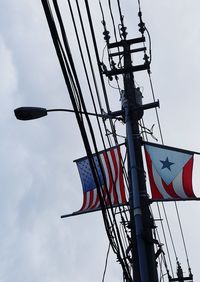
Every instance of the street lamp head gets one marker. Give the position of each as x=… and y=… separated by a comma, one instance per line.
x=28, y=113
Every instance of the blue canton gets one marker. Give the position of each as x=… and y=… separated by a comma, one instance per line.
x=86, y=175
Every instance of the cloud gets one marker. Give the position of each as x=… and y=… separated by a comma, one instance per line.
x=38, y=180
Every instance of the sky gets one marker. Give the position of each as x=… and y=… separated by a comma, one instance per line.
x=39, y=181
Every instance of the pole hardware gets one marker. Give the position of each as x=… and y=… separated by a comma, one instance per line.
x=149, y=106
x=132, y=51
x=124, y=70
x=126, y=42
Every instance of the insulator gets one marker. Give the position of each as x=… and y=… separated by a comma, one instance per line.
x=123, y=30
x=142, y=27
x=146, y=58
x=106, y=35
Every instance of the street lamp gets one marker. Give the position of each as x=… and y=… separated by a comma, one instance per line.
x=28, y=113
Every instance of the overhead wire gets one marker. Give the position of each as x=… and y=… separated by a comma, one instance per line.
x=165, y=239
x=175, y=204
x=78, y=100
x=142, y=29
x=154, y=99
x=163, y=258
x=183, y=237
x=84, y=64
x=59, y=52
x=103, y=19
x=88, y=53
x=162, y=140
x=99, y=67
x=105, y=31
x=102, y=11
x=106, y=263
x=113, y=20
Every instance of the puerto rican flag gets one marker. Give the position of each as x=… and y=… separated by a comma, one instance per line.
x=110, y=175
x=170, y=172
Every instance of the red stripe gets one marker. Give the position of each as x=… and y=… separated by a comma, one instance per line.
x=187, y=178
x=91, y=195
x=170, y=190
x=96, y=203
x=156, y=195
x=114, y=177
x=110, y=184
x=105, y=196
x=121, y=180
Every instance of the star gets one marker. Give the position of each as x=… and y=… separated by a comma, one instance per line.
x=166, y=164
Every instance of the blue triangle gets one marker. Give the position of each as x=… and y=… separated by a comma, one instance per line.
x=168, y=163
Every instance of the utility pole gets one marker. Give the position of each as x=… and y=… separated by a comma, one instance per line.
x=141, y=221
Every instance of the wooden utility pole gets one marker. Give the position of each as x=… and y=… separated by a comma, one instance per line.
x=144, y=260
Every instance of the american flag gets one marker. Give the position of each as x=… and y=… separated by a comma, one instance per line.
x=110, y=171
x=170, y=172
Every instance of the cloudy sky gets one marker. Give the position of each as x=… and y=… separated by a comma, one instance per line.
x=39, y=181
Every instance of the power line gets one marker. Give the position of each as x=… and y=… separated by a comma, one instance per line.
x=76, y=87
x=106, y=263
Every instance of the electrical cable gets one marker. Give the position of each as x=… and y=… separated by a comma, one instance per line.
x=162, y=253
x=53, y=32
x=176, y=207
x=123, y=33
x=183, y=237
x=106, y=263
x=91, y=25
x=74, y=70
x=162, y=140
x=165, y=239
x=84, y=64
x=78, y=103
x=113, y=20
x=90, y=63
x=99, y=67
x=103, y=20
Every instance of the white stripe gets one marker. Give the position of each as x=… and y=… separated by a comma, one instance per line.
x=117, y=186
x=158, y=182
x=87, y=200
x=94, y=197
x=113, y=177
x=178, y=186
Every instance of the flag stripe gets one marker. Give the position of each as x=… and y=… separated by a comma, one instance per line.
x=159, y=185
x=187, y=178
x=117, y=190
x=109, y=182
x=115, y=177
x=178, y=185
x=169, y=189
x=84, y=201
x=96, y=202
x=121, y=191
